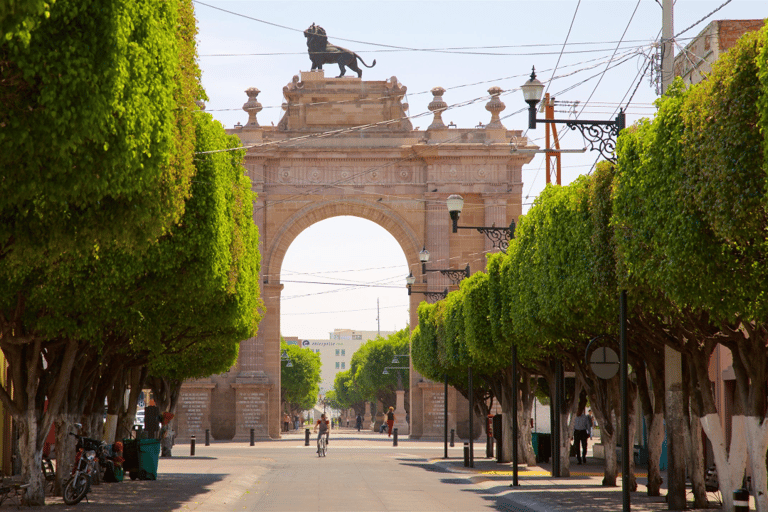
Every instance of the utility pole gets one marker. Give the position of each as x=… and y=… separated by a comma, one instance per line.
x=552, y=158
x=673, y=375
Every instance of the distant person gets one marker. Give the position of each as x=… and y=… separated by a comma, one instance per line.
x=390, y=420
x=581, y=429
x=359, y=422
x=286, y=422
x=323, y=426
x=296, y=422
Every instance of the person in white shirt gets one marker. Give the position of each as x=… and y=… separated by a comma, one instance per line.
x=582, y=427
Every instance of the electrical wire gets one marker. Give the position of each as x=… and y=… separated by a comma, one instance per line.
x=702, y=19
x=562, y=49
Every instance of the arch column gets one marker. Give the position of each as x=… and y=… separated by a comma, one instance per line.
x=257, y=385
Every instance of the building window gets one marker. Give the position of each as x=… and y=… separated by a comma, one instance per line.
x=337, y=351
x=357, y=337
x=337, y=364
x=343, y=365
x=343, y=352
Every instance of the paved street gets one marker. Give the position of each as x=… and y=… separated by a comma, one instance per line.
x=362, y=472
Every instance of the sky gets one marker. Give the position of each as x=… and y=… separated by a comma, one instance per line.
x=591, y=52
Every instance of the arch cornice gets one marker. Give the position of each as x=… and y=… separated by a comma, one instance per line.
x=376, y=212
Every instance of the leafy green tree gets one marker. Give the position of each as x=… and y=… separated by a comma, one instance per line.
x=440, y=351
x=112, y=176
x=346, y=392
x=299, y=384
x=690, y=204
x=368, y=364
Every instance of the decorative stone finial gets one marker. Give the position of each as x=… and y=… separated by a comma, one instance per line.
x=252, y=106
x=495, y=106
x=201, y=104
x=437, y=105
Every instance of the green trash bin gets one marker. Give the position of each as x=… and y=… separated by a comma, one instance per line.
x=148, y=453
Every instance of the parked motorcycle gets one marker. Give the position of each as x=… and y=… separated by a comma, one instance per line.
x=84, y=470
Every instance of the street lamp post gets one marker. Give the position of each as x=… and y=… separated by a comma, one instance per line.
x=431, y=296
x=602, y=136
x=455, y=275
x=499, y=237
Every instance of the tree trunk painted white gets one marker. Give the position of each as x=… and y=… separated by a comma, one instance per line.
x=65, y=448
x=757, y=437
x=566, y=435
x=730, y=466
x=695, y=461
x=611, y=462
x=525, y=443
x=633, y=415
x=110, y=428
x=31, y=456
x=506, y=425
x=655, y=443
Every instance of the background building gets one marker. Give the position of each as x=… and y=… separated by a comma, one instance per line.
x=694, y=62
x=336, y=351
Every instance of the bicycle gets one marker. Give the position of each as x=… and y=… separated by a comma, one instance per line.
x=322, y=445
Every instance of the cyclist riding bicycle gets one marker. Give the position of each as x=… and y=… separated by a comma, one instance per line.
x=324, y=427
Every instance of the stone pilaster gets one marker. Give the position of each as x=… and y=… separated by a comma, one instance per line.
x=495, y=215
x=252, y=411
x=400, y=424
x=193, y=410
x=433, y=411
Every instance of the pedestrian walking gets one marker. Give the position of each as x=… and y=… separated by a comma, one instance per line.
x=390, y=420
x=581, y=432
x=286, y=422
x=359, y=422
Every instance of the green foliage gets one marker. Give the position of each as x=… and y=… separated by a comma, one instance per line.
x=18, y=18
x=300, y=384
x=690, y=200
x=116, y=167
x=345, y=390
x=370, y=360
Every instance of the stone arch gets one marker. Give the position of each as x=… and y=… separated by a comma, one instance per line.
x=355, y=153
x=314, y=213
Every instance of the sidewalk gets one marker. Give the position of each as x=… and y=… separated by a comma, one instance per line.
x=539, y=492
x=229, y=476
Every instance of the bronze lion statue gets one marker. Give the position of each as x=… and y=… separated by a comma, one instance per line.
x=320, y=52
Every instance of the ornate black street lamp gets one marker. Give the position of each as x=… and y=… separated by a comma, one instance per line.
x=284, y=357
x=499, y=237
x=454, y=275
x=601, y=136
x=431, y=296
x=399, y=375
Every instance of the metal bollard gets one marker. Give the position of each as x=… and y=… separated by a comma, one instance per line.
x=253, y=438
x=394, y=437
x=306, y=437
x=466, y=455
x=192, y=446
x=452, y=433
x=741, y=500
x=207, y=437
x=489, y=447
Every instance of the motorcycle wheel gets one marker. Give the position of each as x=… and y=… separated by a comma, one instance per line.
x=76, y=489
